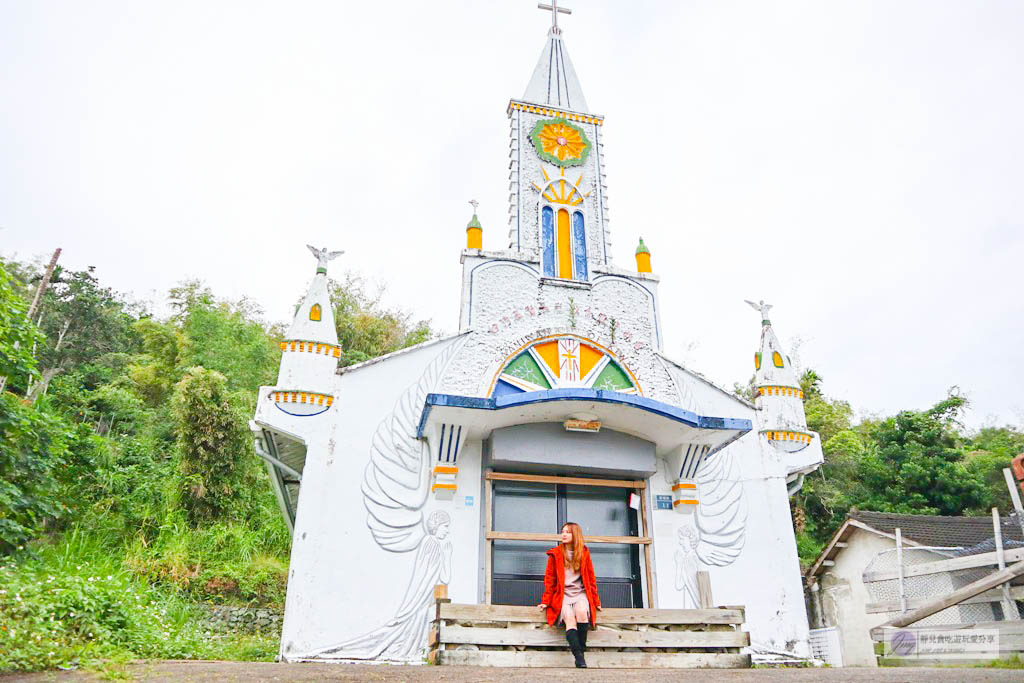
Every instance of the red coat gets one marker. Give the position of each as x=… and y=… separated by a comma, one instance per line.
x=554, y=584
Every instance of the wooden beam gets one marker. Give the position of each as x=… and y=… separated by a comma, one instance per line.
x=704, y=589
x=1015, y=628
x=1016, y=592
x=555, y=538
x=602, y=660
x=609, y=615
x=644, y=516
x=956, y=597
x=488, y=544
x=601, y=637
x=966, y=562
x=583, y=481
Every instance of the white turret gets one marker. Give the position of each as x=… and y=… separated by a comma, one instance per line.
x=779, y=399
x=310, y=349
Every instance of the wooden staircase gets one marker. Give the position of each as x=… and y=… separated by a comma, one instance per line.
x=505, y=635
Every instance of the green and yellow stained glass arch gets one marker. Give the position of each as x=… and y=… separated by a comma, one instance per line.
x=560, y=362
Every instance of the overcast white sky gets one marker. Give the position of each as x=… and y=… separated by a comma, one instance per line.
x=858, y=164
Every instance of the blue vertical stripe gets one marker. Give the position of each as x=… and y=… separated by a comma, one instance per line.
x=448, y=454
x=579, y=247
x=547, y=240
x=458, y=440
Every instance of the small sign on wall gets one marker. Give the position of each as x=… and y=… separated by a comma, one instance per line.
x=663, y=502
x=469, y=501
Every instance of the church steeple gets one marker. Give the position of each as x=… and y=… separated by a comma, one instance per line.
x=558, y=204
x=554, y=81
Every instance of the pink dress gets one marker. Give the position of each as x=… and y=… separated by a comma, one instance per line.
x=574, y=594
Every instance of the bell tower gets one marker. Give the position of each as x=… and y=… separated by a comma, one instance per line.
x=558, y=199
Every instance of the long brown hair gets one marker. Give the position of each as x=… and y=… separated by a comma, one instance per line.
x=577, y=546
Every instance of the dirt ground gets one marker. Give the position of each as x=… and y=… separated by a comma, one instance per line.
x=250, y=672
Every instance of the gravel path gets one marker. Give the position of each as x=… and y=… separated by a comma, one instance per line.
x=251, y=672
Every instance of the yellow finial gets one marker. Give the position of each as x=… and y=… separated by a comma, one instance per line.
x=474, y=231
x=643, y=258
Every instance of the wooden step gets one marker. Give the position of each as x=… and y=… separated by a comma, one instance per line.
x=611, y=615
x=595, y=659
x=506, y=635
x=602, y=637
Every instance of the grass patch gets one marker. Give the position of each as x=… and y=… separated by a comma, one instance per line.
x=73, y=603
x=1014, y=662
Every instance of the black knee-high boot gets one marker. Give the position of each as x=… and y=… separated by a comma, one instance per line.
x=573, y=637
x=583, y=628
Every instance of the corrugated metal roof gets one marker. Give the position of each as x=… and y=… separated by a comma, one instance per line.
x=937, y=530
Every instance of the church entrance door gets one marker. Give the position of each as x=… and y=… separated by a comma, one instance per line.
x=526, y=514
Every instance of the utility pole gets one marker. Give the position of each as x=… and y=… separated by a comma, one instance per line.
x=43, y=284
x=37, y=300
x=1011, y=484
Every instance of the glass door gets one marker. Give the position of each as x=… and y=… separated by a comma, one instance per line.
x=526, y=516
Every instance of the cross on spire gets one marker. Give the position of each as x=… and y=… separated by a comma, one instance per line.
x=475, y=204
x=555, y=9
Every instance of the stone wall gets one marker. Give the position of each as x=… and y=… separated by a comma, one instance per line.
x=265, y=620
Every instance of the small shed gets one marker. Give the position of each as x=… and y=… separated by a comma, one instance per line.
x=838, y=598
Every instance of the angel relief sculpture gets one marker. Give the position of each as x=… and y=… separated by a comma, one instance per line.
x=396, y=484
x=714, y=535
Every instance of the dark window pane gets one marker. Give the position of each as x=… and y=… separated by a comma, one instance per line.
x=600, y=511
x=520, y=558
x=612, y=560
x=525, y=507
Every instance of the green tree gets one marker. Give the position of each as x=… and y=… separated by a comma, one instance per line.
x=227, y=336
x=18, y=335
x=33, y=447
x=82, y=321
x=365, y=328
x=989, y=451
x=215, y=455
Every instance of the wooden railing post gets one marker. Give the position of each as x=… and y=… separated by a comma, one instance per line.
x=704, y=590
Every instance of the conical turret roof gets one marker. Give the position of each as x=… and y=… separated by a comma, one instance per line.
x=314, y=321
x=775, y=367
x=554, y=82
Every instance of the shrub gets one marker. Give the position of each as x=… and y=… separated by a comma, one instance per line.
x=214, y=447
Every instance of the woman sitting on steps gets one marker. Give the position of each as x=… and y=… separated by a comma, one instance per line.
x=570, y=590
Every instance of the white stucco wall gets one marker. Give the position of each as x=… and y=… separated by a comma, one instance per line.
x=341, y=582
x=844, y=597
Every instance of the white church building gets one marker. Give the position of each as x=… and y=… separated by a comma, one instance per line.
x=456, y=461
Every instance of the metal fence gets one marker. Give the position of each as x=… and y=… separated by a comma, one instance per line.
x=926, y=587
x=826, y=645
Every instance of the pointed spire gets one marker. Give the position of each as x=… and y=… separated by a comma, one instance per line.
x=554, y=82
x=772, y=366
x=314, y=321
x=779, y=399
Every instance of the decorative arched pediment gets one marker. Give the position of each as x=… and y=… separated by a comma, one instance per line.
x=563, y=361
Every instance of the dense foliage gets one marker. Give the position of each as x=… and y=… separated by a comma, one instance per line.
x=129, y=488
x=915, y=462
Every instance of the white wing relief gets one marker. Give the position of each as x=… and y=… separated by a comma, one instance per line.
x=396, y=484
x=715, y=535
